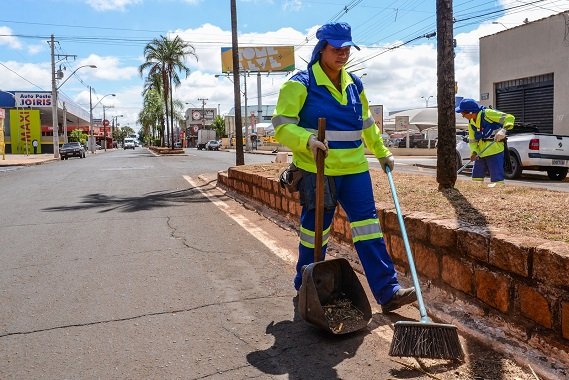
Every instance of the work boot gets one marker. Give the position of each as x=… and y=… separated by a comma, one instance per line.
x=401, y=297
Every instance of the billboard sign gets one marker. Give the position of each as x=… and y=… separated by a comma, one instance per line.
x=194, y=116
x=33, y=99
x=259, y=58
x=24, y=129
x=401, y=122
x=377, y=114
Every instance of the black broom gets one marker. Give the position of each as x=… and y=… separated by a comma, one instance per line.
x=423, y=339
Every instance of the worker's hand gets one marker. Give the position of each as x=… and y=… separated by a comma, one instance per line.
x=474, y=157
x=500, y=135
x=387, y=161
x=314, y=144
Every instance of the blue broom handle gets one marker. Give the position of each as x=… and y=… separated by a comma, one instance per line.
x=478, y=155
x=422, y=309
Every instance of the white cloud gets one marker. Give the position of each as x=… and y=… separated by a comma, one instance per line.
x=292, y=5
x=8, y=39
x=109, y=68
x=111, y=5
x=25, y=76
x=35, y=49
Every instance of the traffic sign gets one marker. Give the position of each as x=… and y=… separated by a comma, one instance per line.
x=105, y=123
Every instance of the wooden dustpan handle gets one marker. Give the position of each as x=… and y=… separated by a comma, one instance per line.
x=319, y=217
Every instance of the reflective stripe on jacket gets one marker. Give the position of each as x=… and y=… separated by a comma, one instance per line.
x=481, y=131
x=309, y=95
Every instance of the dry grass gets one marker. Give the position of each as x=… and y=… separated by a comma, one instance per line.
x=518, y=210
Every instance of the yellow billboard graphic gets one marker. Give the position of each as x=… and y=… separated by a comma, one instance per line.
x=25, y=127
x=260, y=58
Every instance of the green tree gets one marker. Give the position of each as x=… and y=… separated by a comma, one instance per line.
x=78, y=135
x=151, y=117
x=219, y=126
x=165, y=57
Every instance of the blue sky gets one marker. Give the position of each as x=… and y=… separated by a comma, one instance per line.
x=111, y=34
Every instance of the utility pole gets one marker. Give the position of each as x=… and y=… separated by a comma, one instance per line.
x=64, y=123
x=247, y=147
x=91, y=137
x=203, y=111
x=259, y=99
x=105, y=125
x=54, y=119
x=239, y=158
x=446, y=163
x=54, y=101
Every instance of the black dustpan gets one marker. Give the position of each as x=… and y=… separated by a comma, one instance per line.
x=331, y=296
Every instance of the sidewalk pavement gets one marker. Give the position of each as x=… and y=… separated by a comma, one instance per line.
x=25, y=160
x=28, y=160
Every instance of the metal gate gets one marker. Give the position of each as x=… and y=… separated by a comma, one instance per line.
x=530, y=100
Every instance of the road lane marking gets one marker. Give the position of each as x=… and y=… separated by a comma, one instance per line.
x=251, y=227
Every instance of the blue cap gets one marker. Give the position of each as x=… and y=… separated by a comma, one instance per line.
x=337, y=34
x=468, y=105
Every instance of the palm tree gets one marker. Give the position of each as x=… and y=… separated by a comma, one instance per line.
x=165, y=57
x=154, y=101
x=152, y=115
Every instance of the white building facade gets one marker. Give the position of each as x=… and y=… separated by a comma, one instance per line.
x=525, y=71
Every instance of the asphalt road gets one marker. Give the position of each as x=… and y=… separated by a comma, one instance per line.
x=125, y=265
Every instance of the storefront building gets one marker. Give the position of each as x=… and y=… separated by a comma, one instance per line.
x=524, y=71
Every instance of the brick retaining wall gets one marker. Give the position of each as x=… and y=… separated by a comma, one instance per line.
x=522, y=280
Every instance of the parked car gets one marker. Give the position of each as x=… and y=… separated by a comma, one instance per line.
x=462, y=152
x=212, y=145
x=71, y=149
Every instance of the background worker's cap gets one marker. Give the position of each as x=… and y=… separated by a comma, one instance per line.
x=337, y=34
x=468, y=105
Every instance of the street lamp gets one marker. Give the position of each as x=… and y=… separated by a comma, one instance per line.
x=427, y=100
x=54, y=89
x=91, y=108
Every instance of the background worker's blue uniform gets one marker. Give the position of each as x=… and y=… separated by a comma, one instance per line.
x=310, y=95
x=481, y=133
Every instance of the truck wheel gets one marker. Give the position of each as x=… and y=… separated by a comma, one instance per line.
x=557, y=174
x=516, y=171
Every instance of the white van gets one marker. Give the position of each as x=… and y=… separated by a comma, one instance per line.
x=129, y=143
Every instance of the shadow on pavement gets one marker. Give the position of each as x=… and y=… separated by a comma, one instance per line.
x=303, y=351
x=154, y=200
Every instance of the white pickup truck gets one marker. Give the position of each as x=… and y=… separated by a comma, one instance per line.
x=530, y=150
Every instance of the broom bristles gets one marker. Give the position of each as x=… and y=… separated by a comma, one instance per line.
x=426, y=340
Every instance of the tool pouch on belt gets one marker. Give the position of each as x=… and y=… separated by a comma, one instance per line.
x=307, y=187
x=290, y=177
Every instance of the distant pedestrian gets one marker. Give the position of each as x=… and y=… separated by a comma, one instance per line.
x=327, y=90
x=486, y=137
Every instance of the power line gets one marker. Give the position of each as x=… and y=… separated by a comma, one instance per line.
x=33, y=84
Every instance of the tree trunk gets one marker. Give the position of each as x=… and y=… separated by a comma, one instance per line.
x=446, y=147
x=171, y=113
x=166, y=89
